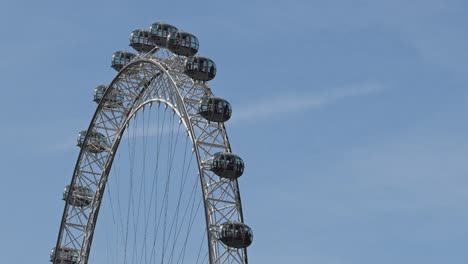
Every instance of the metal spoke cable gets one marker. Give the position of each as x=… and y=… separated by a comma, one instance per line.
x=156, y=219
x=200, y=248
x=154, y=186
x=119, y=224
x=175, y=218
x=141, y=189
x=131, y=154
x=167, y=189
x=180, y=228
x=143, y=249
x=189, y=229
x=191, y=198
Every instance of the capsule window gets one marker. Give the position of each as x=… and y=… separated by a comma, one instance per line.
x=194, y=43
x=162, y=30
x=138, y=38
x=204, y=65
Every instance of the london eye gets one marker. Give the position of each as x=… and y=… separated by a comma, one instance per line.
x=156, y=159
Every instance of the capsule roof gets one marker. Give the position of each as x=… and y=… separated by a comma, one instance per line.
x=140, y=40
x=160, y=31
x=123, y=54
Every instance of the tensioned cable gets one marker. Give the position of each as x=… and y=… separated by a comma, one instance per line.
x=200, y=248
x=164, y=205
x=191, y=198
x=130, y=197
x=182, y=178
x=154, y=185
x=141, y=190
x=176, y=214
x=183, y=181
x=156, y=222
x=175, y=224
x=189, y=228
x=143, y=249
x=171, y=154
x=116, y=168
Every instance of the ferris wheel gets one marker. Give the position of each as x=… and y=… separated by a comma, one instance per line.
x=177, y=161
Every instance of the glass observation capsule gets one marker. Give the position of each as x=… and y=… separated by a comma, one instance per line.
x=81, y=196
x=65, y=256
x=215, y=109
x=114, y=99
x=96, y=142
x=200, y=68
x=227, y=165
x=183, y=43
x=160, y=31
x=120, y=59
x=140, y=40
x=235, y=234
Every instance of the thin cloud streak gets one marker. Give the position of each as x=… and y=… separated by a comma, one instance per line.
x=253, y=112
x=297, y=103
x=153, y=130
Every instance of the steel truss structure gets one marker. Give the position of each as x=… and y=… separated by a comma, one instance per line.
x=152, y=78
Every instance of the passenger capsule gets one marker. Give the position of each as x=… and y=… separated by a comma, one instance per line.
x=236, y=235
x=114, y=99
x=183, y=43
x=159, y=33
x=227, y=165
x=200, y=68
x=81, y=196
x=120, y=59
x=215, y=109
x=96, y=141
x=65, y=256
x=140, y=40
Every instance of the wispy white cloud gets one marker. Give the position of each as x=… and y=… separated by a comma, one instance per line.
x=147, y=130
x=62, y=146
x=271, y=107
x=268, y=108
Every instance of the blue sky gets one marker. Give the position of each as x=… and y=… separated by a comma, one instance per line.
x=350, y=115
